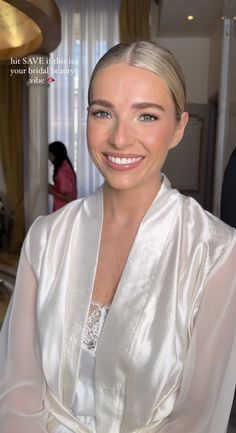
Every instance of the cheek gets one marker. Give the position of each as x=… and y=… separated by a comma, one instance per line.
x=158, y=140
x=96, y=134
x=92, y=134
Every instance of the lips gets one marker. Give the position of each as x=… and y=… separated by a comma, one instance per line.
x=121, y=162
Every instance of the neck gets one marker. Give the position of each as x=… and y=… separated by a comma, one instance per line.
x=127, y=206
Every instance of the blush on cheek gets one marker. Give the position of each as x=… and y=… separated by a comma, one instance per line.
x=159, y=142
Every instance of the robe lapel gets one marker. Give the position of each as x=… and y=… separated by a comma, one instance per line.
x=82, y=260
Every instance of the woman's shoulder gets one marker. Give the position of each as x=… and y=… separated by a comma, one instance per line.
x=65, y=167
x=66, y=215
x=56, y=229
x=51, y=236
x=219, y=238
x=208, y=223
x=52, y=229
x=197, y=222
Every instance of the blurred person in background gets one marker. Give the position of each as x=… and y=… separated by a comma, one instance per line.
x=64, y=189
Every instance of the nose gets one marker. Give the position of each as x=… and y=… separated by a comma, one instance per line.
x=121, y=135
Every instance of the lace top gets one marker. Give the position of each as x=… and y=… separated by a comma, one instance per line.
x=84, y=400
x=94, y=325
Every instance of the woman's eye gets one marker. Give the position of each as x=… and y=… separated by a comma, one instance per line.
x=148, y=117
x=101, y=114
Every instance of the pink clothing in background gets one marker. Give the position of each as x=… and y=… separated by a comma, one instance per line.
x=65, y=183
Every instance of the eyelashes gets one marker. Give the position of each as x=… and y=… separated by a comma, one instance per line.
x=148, y=117
x=101, y=114
x=144, y=117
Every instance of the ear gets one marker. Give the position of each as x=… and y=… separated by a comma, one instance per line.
x=179, y=132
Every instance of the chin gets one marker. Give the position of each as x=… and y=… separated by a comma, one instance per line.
x=122, y=185
x=117, y=184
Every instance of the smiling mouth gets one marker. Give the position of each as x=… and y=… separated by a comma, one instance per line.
x=123, y=160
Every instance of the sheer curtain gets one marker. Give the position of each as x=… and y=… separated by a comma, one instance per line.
x=89, y=28
x=99, y=30
x=63, y=70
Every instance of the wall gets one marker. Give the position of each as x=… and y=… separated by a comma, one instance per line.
x=193, y=56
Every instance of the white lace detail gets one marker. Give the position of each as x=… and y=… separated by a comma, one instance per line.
x=94, y=324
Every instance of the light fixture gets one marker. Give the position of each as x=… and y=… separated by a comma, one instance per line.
x=28, y=27
x=17, y=29
x=190, y=17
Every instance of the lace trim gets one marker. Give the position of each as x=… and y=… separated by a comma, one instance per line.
x=95, y=321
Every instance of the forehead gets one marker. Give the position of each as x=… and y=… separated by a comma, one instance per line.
x=124, y=80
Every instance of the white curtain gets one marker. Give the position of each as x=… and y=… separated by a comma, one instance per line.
x=64, y=71
x=99, y=30
x=89, y=28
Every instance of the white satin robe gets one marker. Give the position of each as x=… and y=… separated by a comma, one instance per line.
x=166, y=359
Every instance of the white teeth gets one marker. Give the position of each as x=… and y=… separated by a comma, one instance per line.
x=123, y=161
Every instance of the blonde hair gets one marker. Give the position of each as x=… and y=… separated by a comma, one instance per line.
x=150, y=56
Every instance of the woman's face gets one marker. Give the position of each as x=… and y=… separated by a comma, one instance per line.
x=131, y=126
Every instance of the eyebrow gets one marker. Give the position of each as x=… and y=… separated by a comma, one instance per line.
x=137, y=105
x=142, y=105
x=101, y=102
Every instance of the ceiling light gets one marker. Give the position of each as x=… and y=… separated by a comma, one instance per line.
x=234, y=18
x=28, y=28
x=190, y=17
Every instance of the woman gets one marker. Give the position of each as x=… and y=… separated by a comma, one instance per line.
x=163, y=359
x=64, y=189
